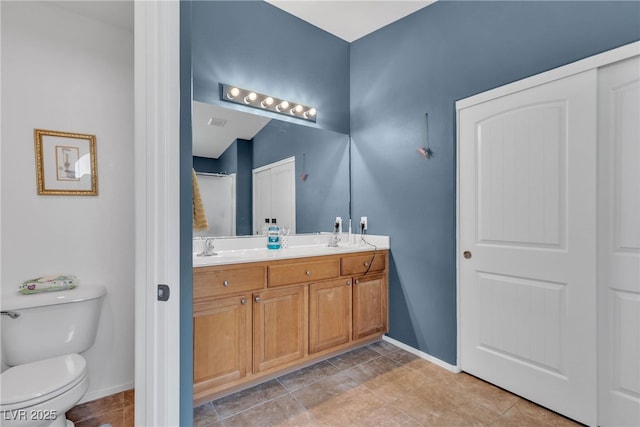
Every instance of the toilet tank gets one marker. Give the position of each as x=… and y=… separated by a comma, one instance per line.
x=49, y=324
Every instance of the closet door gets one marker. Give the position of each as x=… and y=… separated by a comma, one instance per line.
x=619, y=244
x=527, y=223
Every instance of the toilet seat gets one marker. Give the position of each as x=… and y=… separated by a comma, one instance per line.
x=32, y=383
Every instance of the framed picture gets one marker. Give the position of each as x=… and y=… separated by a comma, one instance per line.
x=65, y=163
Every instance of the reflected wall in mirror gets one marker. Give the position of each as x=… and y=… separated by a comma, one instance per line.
x=229, y=144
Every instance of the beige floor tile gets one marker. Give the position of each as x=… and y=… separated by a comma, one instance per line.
x=328, y=391
x=387, y=379
x=206, y=415
x=385, y=416
x=527, y=414
x=353, y=405
x=283, y=411
x=467, y=389
x=353, y=358
x=305, y=376
x=384, y=347
x=243, y=400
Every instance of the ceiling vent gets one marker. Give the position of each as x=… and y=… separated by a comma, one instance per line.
x=217, y=122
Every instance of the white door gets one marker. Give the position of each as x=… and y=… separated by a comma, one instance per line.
x=527, y=288
x=619, y=244
x=274, y=194
x=283, y=195
x=261, y=199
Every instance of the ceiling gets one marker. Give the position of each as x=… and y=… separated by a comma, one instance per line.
x=350, y=19
x=215, y=128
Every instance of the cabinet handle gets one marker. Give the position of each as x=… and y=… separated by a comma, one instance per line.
x=257, y=299
x=308, y=272
x=243, y=301
x=225, y=283
x=348, y=282
x=357, y=282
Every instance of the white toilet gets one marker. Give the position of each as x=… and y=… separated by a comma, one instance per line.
x=42, y=335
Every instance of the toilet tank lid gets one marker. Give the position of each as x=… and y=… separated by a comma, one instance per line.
x=17, y=301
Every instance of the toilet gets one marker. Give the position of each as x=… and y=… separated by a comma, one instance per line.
x=42, y=335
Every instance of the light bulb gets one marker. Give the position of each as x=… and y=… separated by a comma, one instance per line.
x=310, y=113
x=250, y=98
x=282, y=106
x=233, y=93
x=267, y=102
x=296, y=110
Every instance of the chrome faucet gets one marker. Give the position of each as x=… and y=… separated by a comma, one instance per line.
x=208, y=247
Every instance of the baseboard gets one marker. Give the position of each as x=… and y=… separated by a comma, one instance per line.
x=423, y=355
x=98, y=394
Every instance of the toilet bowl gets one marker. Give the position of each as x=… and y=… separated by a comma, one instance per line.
x=42, y=338
x=38, y=394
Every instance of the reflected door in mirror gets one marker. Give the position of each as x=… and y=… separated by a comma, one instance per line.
x=274, y=195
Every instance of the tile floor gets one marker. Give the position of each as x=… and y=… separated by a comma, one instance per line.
x=377, y=385
x=116, y=410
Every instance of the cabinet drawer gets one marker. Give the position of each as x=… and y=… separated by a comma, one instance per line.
x=360, y=264
x=213, y=282
x=301, y=272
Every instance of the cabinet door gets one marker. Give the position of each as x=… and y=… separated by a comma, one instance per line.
x=279, y=327
x=369, y=306
x=329, y=314
x=221, y=341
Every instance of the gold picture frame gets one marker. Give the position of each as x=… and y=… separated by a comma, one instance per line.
x=65, y=163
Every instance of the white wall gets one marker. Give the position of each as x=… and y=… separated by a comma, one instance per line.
x=66, y=72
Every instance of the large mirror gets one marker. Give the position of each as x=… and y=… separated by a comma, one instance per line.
x=250, y=168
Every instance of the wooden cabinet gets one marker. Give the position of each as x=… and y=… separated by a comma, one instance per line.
x=279, y=327
x=369, y=306
x=329, y=314
x=255, y=320
x=303, y=271
x=222, y=331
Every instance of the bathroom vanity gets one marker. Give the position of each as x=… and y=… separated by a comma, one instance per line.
x=258, y=314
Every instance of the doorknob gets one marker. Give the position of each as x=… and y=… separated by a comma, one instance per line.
x=466, y=254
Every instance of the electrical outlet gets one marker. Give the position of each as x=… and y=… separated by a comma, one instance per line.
x=363, y=221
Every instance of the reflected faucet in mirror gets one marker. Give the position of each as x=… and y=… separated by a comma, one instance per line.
x=208, y=247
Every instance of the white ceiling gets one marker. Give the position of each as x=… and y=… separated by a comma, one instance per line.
x=350, y=19
x=215, y=128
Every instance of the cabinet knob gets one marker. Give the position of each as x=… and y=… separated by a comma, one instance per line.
x=225, y=283
x=257, y=299
x=357, y=282
x=366, y=264
x=348, y=282
x=243, y=301
x=308, y=272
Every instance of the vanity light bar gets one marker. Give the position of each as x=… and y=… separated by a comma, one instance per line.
x=265, y=102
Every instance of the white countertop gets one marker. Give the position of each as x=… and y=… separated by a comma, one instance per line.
x=253, y=249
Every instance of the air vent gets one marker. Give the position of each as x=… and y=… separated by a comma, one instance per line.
x=217, y=122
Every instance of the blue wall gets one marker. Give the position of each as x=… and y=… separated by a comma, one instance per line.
x=320, y=154
x=423, y=64
x=254, y=45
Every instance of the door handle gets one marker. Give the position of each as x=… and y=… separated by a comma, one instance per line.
x=466, y=254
